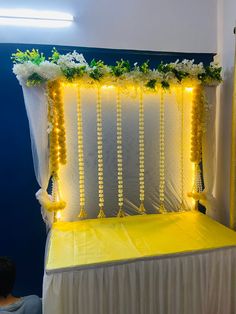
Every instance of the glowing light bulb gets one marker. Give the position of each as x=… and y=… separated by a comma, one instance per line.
x=107, y=86
x=58, y=215
x=189, y=89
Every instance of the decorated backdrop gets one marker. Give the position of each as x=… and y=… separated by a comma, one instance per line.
x=116, y=140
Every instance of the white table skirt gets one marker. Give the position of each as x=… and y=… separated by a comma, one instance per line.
x=193, y=283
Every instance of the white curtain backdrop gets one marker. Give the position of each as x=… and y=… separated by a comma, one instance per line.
x=194, y=283
x=37, y=111
x=36, y=106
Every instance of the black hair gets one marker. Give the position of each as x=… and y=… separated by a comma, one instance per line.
x=7, y=276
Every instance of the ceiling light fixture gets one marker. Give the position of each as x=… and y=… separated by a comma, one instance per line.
x=35, y=18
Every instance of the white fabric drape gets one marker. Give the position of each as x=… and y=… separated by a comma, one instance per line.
x=197, y=283
x=37, y=111
x=232, y=215
x=69, y=173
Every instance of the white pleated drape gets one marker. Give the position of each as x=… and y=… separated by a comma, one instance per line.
x=233, y=150
x=194, y=283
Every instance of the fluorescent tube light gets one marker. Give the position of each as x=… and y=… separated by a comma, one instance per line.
x=34, y=18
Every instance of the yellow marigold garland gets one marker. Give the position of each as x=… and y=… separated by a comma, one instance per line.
x=53, y=135
x=198, y=118
x=57, y=147
x=58, y=102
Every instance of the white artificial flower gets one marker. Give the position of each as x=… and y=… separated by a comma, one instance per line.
x=79, y=58
x=214, y=64
x=46, y=70
x=50, y=127
x=72, y=60
x=24, y=70
x=49, y=70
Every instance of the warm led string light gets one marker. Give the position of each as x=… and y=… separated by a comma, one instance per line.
x=121, y=212
x=198, y=108
x=82, y=213
x=57, y=149
x=196, y=145
x=162, y=155
x=60, y=122
x=101, y=213
x=53, y=135
x=182, y=206
x=141, y=153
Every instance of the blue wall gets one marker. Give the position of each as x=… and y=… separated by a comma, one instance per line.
x=22, y=231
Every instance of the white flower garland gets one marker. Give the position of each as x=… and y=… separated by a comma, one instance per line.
x=32, y=68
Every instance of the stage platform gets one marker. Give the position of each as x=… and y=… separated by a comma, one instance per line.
x=112, y=240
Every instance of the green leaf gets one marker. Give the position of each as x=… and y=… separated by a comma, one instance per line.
x=144, y=68
x=151, y=84
x=121, y=68
x=35, y=79
x=24, y=56
x=55, y=55
x=165, y=85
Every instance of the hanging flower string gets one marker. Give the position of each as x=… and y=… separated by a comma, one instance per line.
x=101, y=213
x=53, y=129
x=57, y=148
x=198, y=113
x=121, y=212
x=141, y=153
x=82, y=212
x=162, y=155
x=60, y=121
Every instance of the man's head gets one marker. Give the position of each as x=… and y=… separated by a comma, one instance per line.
x=7, y=276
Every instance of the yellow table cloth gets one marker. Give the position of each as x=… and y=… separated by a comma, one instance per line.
x=95, y=241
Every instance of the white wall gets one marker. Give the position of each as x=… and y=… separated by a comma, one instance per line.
x=164, y=25
x=226, y=46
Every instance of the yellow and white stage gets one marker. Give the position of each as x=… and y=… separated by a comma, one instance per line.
x=94, y=242
x=177, y=263
x=130, y=157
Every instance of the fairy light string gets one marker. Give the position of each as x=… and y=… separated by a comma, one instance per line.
x=82, y=211
x=101, y=213
x=60, y=122
x=121, y=212
x=57, y=146
x=162, y=154
x=53, y=135
x=141, y=153
x=182, y=206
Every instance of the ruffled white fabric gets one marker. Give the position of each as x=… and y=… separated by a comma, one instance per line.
x=194, y=283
